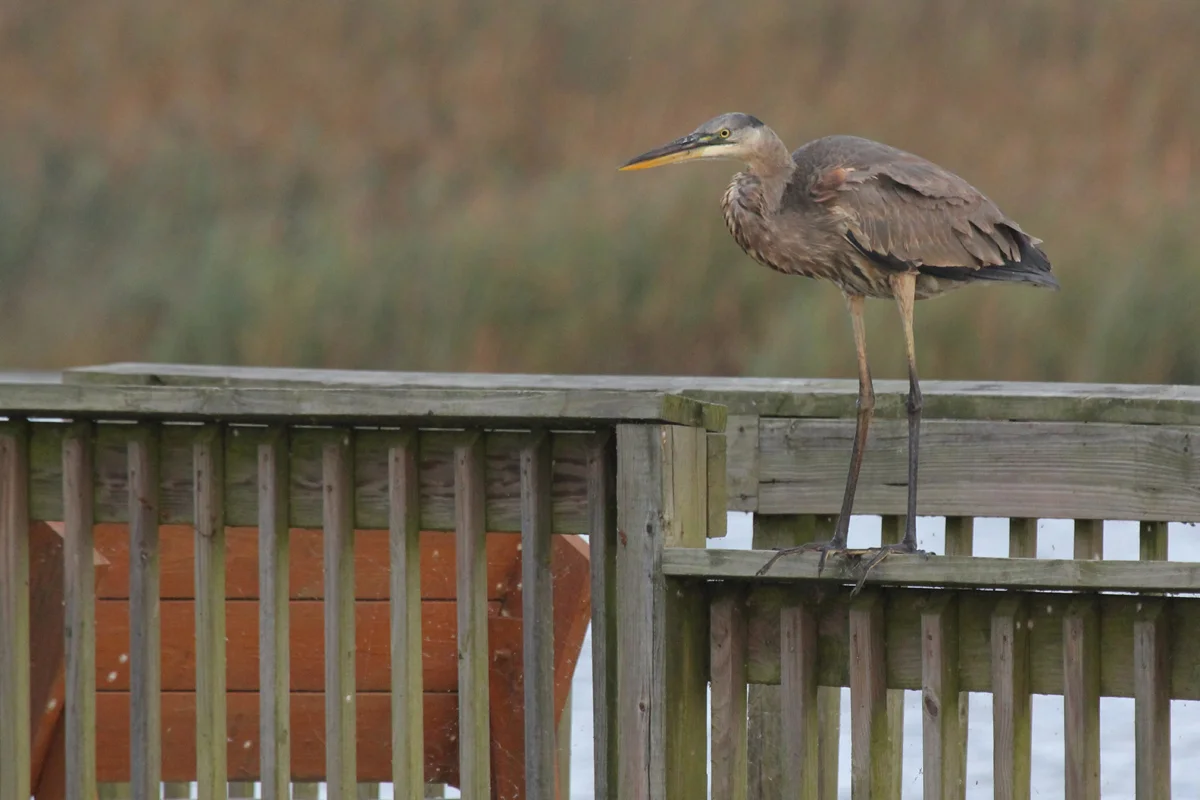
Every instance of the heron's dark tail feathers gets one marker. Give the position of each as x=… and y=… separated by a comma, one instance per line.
x=1033, y=267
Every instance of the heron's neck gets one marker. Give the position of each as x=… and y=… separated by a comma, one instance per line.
x=772, y=164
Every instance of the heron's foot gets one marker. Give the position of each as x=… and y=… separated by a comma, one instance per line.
x=824, y=548
x=877, y=556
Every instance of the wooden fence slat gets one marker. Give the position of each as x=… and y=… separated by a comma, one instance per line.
x=404, y=535
x=1152, y=701
x=1022, y=537
x=145, y=669
x=1081, y=699
x=727, y=665
x=602, y=541
x=960, y=541
x=208, y=483
x=800, y=723
x=562, y=749
x=1089, y=539
x=891, y=532
x=15, y=753
x=1011, y=700
x=537, y=617
x=79, y=596
x=870, y=745
x=274, y=665
x=944, y=765
x=1153, y=540
x=340, y=713
x=473, y=713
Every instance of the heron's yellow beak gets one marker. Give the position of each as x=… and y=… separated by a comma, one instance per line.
x=683, y=149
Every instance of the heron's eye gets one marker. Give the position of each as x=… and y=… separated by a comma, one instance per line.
x=723, y=133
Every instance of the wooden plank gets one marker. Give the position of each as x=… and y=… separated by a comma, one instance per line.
x=1152, y=701
x=408, y=737
x=429, y=406
x=602, y=539
x=1022, y=537
x=944, y=766
x=800, y=721
x=870, y=739
x=340, y=710
x=502, y=473
x=1033, y=469
x=1081, y=699
x=891, y=532
x=144, y=652
x=473, y=724
x=14, y=612
x=562, y=751
x=274, y=624
x=960, y=541
x=537, y=603
x=945, y=571
x=1089, y=539
x=741, y=468
x=718, y=502
x=727, y=621
x=1153, y=540
x=1012, y=706
x=780, y=397
x=211, y=781
x=79, y=594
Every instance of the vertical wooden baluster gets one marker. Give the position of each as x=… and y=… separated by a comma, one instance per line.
x=340, y=691
x=274, y=665
x=537, y=616
x=800, y=715
x=870, y=745
x=208, y=481
x=727, y=665
x=1153, y=544
x=1022, y=537
x=1089, y=539
x=1012, y=702
x=945, y=769
x=1081, y=699
x=470, y=542
x=79, y=595
x=145, y=667
x=1152, y=699
x=404, y=538
x=602, y=541
x=960, y=541
x=562, y=749
x=891, y=532
x=14, y=612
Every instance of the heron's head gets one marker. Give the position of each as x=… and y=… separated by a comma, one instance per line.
x=733, y=137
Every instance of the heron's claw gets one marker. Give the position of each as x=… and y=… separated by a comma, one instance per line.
x=881, y=553
x=824, y=548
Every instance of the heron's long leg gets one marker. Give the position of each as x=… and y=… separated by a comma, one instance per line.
x=904, y=288
x=866, y=409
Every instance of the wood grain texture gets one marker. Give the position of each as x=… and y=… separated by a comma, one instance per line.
x=502, y=476
x=1152, y=700
x=1152, y=540
x=727, y=666
x=716, y=487
x=340, y=708
x=473, y=724
x=404, y=556
x=79, y=595
x=944, y=766
x=1089, y=539
x=1042, y=469
x=602, y=539
x=870, y=739
x=960, y=541
x=145, y=670
x=14, y=612
x=208, y=481
x=741, y=467
x=537, y=618
x=800, y=723
x=433, y=407
x=781, y=397
x=1022, y=537
x=1012, y=709
x=1081, y=699
x=891, y=532
x=274, y=623
x=947, y=571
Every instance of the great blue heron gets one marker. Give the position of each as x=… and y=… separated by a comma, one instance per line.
x=876, y=222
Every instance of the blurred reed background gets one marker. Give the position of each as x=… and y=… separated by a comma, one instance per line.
x=431, y=184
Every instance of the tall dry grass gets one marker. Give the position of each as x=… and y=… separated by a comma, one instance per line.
x=431, y=184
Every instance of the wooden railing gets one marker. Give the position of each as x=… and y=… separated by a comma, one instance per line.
x=671, y=617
